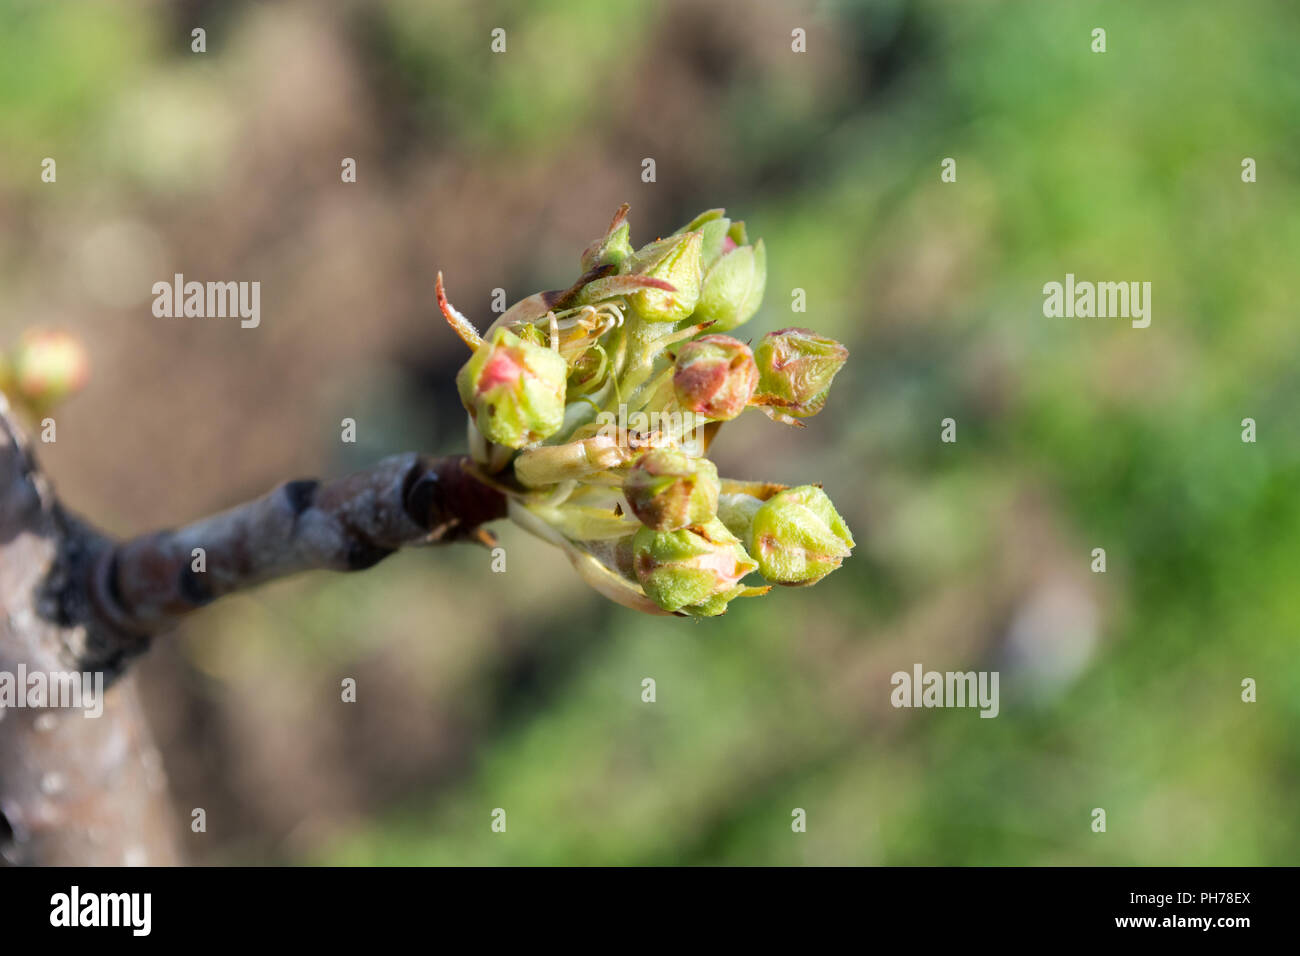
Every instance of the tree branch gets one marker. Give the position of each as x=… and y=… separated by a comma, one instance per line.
x=76, y=790
x=144, y=584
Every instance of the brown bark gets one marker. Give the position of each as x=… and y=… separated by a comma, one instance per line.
x=77, y=790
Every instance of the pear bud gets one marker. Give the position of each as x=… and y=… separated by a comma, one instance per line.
x=733, y=288
x=45, y=368
x=795, y=369
x=667, y=490
x=514, y=390
x=588, y=371
x=735, y=273
x=796, y=536
x=695, y=571
x=675, y=260
x=715, y=376
x=612, y=249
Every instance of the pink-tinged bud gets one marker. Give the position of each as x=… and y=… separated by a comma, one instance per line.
x=47, y=367
x=795, y=368
x=668, y=490
x=715, y=376
x=694, y=571
x=514, y=389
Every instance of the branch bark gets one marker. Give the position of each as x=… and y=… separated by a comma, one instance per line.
x=76, y=790
x=145, y=584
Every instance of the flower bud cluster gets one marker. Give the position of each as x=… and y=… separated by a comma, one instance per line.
x=642, y=337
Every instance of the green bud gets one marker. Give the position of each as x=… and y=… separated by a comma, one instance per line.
x=699, y=222
x=717, y=229
x=733, y=288
x=735, y=273
x=612, y=249
x=795, y=368
x=514, y=390
x=588, y=371
x=675, y=260
x=796, y=536
x=668, y=490
x=715, y=376
x=737, y=511
x=713, y=226
x=45, y=368
x=713, y=239
x=693, y=571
